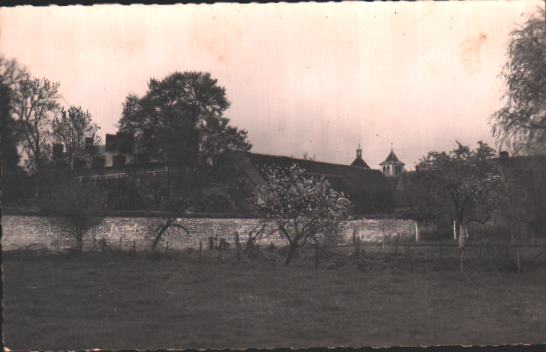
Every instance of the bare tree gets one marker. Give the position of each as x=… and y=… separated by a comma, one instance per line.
x=70, y=128
x=34, y=107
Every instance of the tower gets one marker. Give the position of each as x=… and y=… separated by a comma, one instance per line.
x=359, y=162
x=392, y=166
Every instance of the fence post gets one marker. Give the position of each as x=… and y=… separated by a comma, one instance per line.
x=461, y=258
x=358, y=248
x=238, y=247
x=200, y=250
x=211, y=243
x=134, y=247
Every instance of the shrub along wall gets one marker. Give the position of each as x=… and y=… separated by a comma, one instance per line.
x=122, y=232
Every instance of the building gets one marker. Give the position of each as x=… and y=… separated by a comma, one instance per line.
x=359, y=162
x=368, y=189
x=392, y=166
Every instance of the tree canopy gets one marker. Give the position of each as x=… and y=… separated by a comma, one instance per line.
x=302, y=208
x=521, y=123
x=459, y=185
x=181, y=119
x=70, y=128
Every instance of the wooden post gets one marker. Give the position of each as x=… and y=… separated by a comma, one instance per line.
x=211, y=243
x=417, y=234
x=238, y=247
x=120, y=245
x=461, y=258
x=134, y=247
x=358, y=248
x=200, y=250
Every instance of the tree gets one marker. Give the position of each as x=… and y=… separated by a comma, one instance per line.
x=11, y=73
x=461, y=185
x=34, y=107
x=180, y=119
x=70, y=128
x=521, y=123
x=301, y=208
x=13, y=177
x=523, y=191
x=80, y=204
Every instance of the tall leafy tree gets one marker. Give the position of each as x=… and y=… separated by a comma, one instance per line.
x=521, y=123
x=11, y=73
x=181, y=119
x=12, y=176
x=70, y=128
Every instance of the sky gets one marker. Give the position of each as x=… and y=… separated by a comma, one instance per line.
x=315, y=78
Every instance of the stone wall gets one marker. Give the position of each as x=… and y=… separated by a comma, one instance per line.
x=33, y=231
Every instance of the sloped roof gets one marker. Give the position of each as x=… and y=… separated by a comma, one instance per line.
x=344, y=178
x=391, y=158
x=359, y=162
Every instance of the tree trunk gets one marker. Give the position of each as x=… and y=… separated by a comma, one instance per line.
x=79, y=242
x=291, y=253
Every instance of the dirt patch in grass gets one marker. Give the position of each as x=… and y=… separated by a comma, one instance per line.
x=119, y=301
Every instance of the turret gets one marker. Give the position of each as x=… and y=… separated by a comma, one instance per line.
x=392, y=166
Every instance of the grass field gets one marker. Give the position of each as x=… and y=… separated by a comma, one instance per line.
x=119, y=301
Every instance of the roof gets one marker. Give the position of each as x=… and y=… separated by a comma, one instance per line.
x=359, y=162
x=347, y=179
x=391, y=158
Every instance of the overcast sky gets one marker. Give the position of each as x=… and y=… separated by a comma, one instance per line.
x=307, y=77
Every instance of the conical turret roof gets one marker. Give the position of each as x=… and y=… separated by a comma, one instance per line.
x=391, y=158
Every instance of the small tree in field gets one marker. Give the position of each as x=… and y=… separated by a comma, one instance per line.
x=303, y=209
x=460, y=185
x=80, y=204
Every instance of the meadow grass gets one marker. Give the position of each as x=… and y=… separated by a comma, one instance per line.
x=120, y=301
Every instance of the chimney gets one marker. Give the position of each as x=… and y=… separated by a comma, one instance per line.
x=359, y=152
x=110, y=142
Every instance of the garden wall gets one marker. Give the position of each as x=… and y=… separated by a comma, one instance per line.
x=35, y=231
